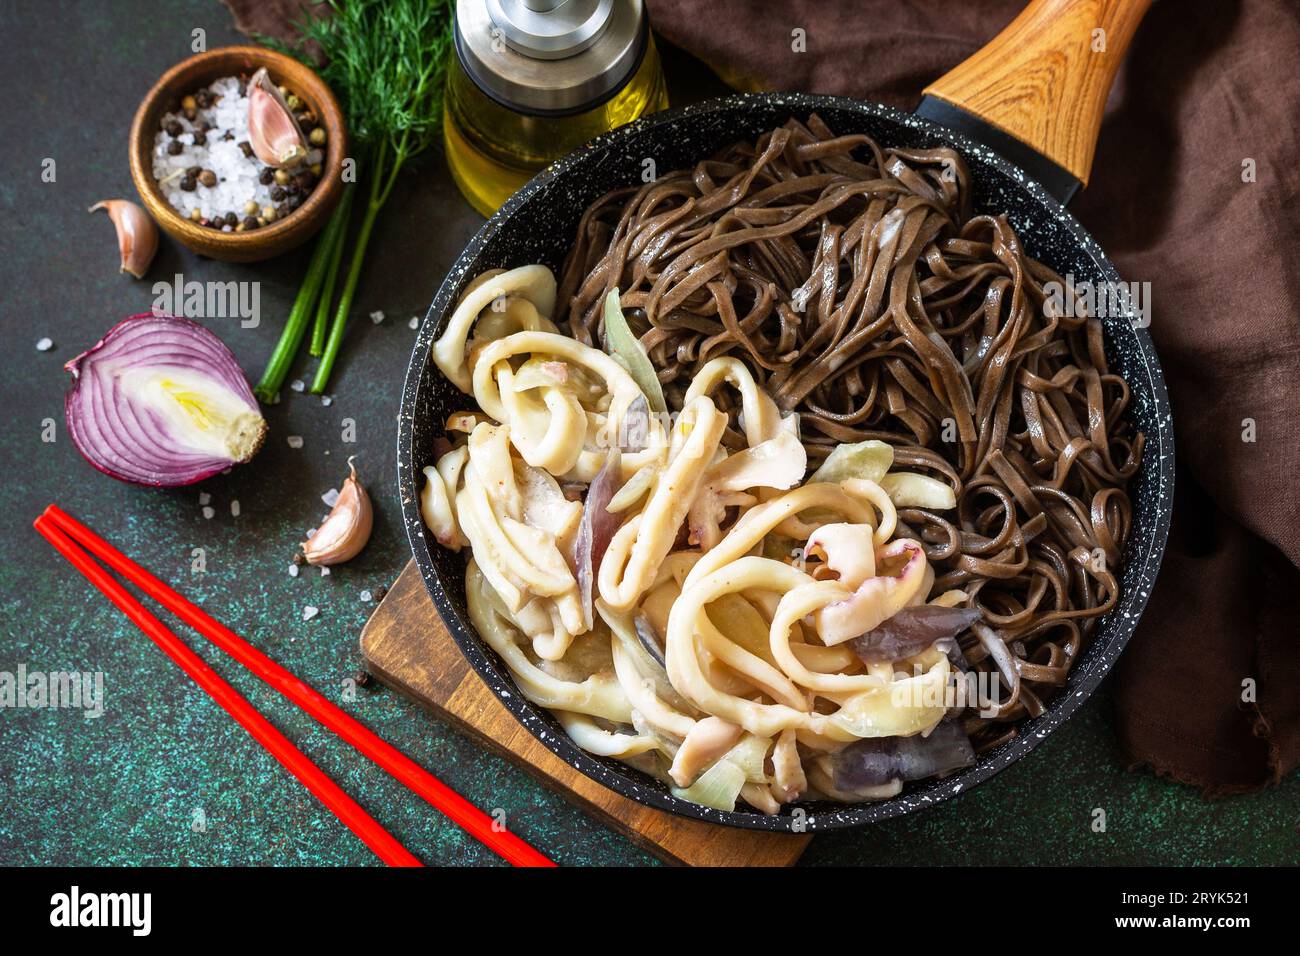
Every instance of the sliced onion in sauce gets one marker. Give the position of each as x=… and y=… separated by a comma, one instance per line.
x=649, y=638
x=596, y=529
x=635, y=434
x=912, y=630
x=876, y=761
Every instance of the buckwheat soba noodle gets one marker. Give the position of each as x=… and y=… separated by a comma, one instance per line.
x=800, y=484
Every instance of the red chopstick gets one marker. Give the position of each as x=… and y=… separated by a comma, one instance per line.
x=325, y=789
x=55, y=524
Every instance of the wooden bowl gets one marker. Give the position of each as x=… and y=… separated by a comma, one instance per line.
x=198, y=71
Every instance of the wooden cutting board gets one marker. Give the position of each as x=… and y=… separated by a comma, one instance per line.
x=407, y=647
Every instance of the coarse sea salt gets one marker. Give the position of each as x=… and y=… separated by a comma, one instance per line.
x=309, y=612
x=44, y=345
x=293, y=570
x=377, y=316
x=237, y=174
x=295, y=441
x=330, y=497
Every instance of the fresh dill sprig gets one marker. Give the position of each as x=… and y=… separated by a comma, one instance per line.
x=386, y=62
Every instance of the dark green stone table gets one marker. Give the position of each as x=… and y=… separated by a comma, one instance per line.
x=165, y=777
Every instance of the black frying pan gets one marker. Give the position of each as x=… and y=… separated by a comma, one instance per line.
x=538, y=224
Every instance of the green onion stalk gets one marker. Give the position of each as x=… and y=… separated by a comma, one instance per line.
x=277, y=369
x=385, y=60
x=319, y=326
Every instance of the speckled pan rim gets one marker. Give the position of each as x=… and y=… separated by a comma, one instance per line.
x=1114, y=634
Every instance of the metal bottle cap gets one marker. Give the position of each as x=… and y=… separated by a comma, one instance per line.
x=550, y=56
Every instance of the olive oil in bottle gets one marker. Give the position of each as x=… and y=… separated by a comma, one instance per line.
x=533, y=79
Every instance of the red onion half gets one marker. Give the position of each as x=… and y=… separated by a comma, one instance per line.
x=161, y=401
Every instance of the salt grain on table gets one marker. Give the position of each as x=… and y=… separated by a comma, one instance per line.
x=298, y=385
x=209, y=511
x=366, y=596
x=330, y=497
x=309, y=612
x=324, y=572
x=234, y=508
x=204, y=497
x=415, y=322
x=327, y=400
x=295, y=441
x=44, y=345
x=376, y=317
x=293, y=570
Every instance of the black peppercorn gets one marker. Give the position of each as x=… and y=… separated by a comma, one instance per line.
x=277, y=194
x=174, y=147
x=363, y=678
x=231, y=219
x=200, y=138
x=174, y=128
x=283, y=210
x=266, y=176
x=304, y=181
x=208, y=177
x=188, y=184
x=379, y=593
x=247, y=149
x=250, y=222
x=193, y=170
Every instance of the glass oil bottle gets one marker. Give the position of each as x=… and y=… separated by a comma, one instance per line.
x=534, y=79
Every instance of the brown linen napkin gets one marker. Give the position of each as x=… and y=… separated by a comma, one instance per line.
x=1208, y=90
x=1208, y=85
x=271, y=18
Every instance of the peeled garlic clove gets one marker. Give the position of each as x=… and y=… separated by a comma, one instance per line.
x=346, y=529
x=137, y=235
x=273, y=132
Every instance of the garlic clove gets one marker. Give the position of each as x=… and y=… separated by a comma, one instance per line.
x=137, y=234
x=346, y=529
x=273, y=132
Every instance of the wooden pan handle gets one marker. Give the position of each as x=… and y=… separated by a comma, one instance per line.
x=1044, y=79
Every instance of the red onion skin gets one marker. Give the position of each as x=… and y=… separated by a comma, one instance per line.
x=233, y=378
